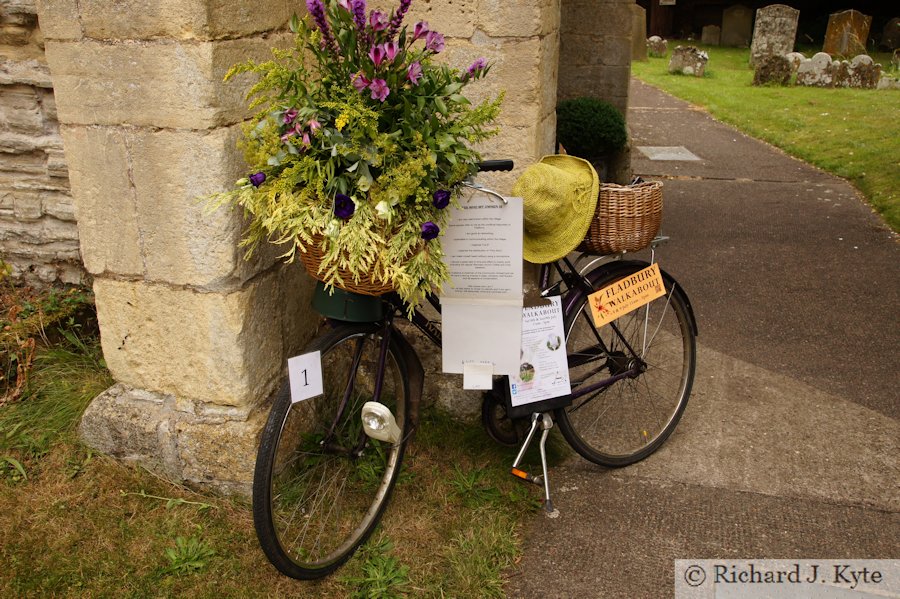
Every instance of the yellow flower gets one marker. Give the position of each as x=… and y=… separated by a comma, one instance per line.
x=341, y=121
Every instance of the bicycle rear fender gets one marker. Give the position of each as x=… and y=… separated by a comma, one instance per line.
x=624, y=266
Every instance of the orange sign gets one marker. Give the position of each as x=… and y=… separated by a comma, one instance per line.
x=626, y=295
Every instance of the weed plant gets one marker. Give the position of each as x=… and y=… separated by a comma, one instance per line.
x=852, y=133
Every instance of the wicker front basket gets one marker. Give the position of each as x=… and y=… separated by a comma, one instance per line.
x=312, y=258
x=626, y=220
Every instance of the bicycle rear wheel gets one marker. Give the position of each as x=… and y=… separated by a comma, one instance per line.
x=321, y=484
x=628, y=420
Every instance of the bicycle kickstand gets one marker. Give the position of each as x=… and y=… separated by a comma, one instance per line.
x=546, y=423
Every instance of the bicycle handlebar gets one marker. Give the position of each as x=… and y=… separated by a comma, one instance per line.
x=495, y=165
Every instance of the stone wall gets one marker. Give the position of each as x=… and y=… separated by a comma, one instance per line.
x=38, y=234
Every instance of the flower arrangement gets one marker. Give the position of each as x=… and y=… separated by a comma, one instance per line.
x=359, y=144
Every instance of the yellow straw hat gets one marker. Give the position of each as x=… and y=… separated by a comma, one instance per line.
x=560, y=195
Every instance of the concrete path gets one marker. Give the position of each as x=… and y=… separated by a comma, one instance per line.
x=789, y=445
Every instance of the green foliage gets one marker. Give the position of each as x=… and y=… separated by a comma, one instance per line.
x=188, y=556
x=589, y=127
x=382, y=575
x=326, y=126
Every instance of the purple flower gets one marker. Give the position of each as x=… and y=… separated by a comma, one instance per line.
x=430, y=231
x=305, y=138
x=420, y=30
x=358, y=8
x=380, y=89
x=414, y=72
x=377, y=54
x=343, y=206
x=391, y=49
x=477, y=66
x=317, y=11
x=397, y=19
x=257, y=179
x=289, y=116
x=440, y=199
x=434, y=41
x=359, y=81
x=314, y=125
x=378, y=20
x=345, y=4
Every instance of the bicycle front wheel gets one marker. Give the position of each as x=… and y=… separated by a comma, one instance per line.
x=321, y=484
x=628, y=420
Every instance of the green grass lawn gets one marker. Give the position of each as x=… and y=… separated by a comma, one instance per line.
x=852, y=133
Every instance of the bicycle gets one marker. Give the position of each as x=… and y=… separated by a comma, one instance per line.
x=326, y=466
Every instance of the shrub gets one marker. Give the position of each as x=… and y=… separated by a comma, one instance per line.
x=589, y=127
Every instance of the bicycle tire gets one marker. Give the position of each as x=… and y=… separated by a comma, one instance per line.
x=315, y=503
x=630, y=419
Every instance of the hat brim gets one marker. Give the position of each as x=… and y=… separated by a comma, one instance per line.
x=549, y=247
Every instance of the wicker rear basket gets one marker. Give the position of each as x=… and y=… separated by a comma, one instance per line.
x=626, y=220
x=312, y=258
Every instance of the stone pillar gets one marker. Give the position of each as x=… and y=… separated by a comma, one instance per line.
x=38, y=235
x=194, y=335
x=595, y=59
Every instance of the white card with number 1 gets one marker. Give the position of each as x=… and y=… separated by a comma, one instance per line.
x=305, y=373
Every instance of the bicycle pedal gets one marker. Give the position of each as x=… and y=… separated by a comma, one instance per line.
x=538, y=480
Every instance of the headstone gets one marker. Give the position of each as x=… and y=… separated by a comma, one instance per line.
x=657, y=46
x=794, y=58
x=688, y=60
x=840, y=73
x=737, y=23
x=816, y=71
x=775, y=31
x=712, y=35
x=772, y=69
x=895, y=59
x=864, y=72
x=890, y=35
x=888, y=82
x=847, y=33
x=638, y=33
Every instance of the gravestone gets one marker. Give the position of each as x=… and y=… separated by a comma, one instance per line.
x=737, y=24
x=847, y=33
x=794, y=58
x=638, y=33
x=775, y=31
x=772, y=68
x=864, y=72
x=688, y=60
x=712, y=35
x=657, y=46
x=816, y=71
x=890, y=35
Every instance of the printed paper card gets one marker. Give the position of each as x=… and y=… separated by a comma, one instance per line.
x=481, y=306
x=625, y=295
x=543, y=367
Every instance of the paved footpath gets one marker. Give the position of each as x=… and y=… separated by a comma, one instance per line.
x=789, y=445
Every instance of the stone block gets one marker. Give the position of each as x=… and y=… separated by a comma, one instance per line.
x=27, y=206
x=58, y=205
x=772, y=69
x=219, y=348
x=56, y=163
x=183, y=241
x=105, y=204
x=14, y=35
x=175, y=85
x=20, y=110
x=59, y=19
x=774, y=33
x=28, y=71
x=501, y=18
x=183, y=19
x=688, y=60
x=176, y=439
x=452, y=18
